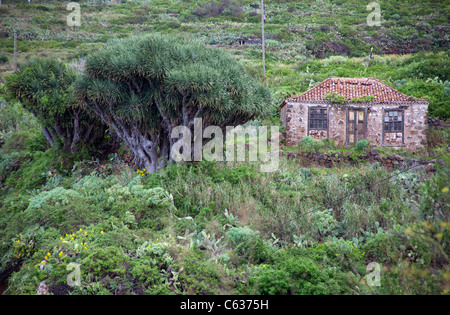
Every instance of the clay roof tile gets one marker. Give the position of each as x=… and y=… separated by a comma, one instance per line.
x=354, y=87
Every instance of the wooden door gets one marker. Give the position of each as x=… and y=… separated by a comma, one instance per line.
x=356, y=125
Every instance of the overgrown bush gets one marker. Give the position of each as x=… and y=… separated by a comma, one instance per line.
x=43, y=86
x=361, y=145
x=3, y=59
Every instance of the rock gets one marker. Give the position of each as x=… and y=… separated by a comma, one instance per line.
x=373, y=152
x=430, y=168
x=291, y=155
x=42, y=289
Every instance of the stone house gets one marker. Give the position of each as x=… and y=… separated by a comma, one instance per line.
x=362, y=108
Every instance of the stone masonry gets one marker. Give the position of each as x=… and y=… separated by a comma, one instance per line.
x=411, y=115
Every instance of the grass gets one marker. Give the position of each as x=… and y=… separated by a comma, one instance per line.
x=210, y=207
x=180, y=231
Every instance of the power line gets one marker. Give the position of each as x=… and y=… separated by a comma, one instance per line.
x=335, y=200
x=263, y=20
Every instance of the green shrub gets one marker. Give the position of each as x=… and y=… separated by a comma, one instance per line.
x=102, y=261
x=34, y=173
x=308, y=144
x=201, y=276
x=379, y=247
x=335, y=98
x=271, y=282
x=3, y=59
x=63, y=209
x=237, y=235
x=307, y=276
x=361, y=145
x=143, y=271
x=255, y=251
x=11, y=162
x=31, y=140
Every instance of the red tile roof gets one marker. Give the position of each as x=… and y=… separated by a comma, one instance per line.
x=351, y=88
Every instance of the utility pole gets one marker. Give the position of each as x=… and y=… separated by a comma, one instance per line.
x=263, y=20
x=15, y=50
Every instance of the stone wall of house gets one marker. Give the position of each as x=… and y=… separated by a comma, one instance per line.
x=296, y=122
x=415, y=126
x=337, y=124
x=295, y=117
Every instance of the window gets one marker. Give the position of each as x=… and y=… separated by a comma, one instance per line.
x=393, y=121
x=318, y=119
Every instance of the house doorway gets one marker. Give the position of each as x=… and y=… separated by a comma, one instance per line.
x=356, y=125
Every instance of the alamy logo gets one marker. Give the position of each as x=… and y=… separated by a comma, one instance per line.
x=74, y=18
x=213, y=150
x=373, y=278
x=374, y=18
x=74, y=278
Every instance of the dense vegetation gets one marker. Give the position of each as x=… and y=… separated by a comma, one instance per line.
x=410, y=47
x=215, y=227
x=42, y=86
x=145, y=87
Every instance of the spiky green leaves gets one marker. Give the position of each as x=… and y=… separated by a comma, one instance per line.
x=44, y=87
x=147, y=85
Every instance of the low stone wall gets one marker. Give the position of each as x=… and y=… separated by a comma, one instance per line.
x=336, y=159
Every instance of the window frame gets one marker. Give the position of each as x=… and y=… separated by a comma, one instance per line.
x=324, y=118
x=400, y=113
